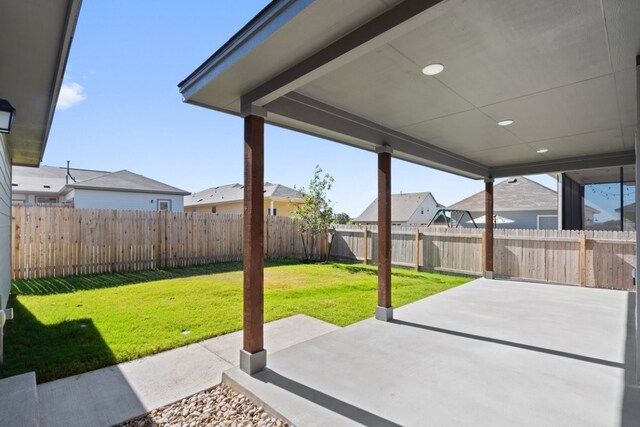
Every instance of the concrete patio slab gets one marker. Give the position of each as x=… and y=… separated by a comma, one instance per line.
x=117, y=393
x=279, y=334
x=499, y=353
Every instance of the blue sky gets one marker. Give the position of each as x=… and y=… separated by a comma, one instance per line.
x=120, y=109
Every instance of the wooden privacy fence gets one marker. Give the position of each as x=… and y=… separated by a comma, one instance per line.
x=61, y=241
x=602, y=259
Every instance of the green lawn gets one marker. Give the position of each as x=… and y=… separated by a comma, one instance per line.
x=67, y=326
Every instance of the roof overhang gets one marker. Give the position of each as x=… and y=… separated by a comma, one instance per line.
x=603, y=175
x=36, y=37
x=565, y=71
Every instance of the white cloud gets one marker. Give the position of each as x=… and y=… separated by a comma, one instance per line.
x=70, y=94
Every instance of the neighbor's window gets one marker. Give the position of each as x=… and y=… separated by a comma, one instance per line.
x=273, y=212
x=164, y=205
x=547, y=222
x=46, y=200
x=213, y=209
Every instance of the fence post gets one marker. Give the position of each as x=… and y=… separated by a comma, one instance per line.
x=583, y=259
x=366, y=244
x=417, y=249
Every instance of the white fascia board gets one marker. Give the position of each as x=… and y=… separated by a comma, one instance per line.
x=241, y=44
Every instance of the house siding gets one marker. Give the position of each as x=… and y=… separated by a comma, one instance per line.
x=521, y=219
x=283, y=208
x=5, y=223
x=122, y=200
x=425, y=212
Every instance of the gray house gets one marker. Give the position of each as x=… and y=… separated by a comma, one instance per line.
x=406, y=209
x=91, y=189
x=518, y=203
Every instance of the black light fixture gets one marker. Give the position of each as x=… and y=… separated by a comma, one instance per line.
x=7, y=112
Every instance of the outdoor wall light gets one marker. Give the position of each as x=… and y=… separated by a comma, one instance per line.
x=505, y=122
x=7, y=112
x=433, y=69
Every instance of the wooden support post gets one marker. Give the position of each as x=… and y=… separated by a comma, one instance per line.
x=488, y=228
x=417, y=250
x=253, y=356
x=366, y=245
x=384, y=310
x=582, y=263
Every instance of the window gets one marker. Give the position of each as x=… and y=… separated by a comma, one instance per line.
x=46, y=199
x=273, y=212
x=213, y=209
x=164, y=205
x=547, y=222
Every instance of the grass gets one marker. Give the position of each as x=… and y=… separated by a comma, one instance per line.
x=68, y=326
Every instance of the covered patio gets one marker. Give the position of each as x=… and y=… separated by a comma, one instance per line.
x=490, y=352
x=482, y=89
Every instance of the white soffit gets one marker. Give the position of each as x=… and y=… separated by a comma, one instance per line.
x=36, y=39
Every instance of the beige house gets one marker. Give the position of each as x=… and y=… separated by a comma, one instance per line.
x=279, y=200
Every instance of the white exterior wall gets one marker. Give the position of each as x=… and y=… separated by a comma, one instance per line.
x=5, y=223
x=31, y=198
x=96, y=199
x=425, y=212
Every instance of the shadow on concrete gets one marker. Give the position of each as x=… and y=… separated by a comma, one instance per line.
x=511, y=344
x=53, y=351
x=338, y=406
x=63, y=285
x=630, y=411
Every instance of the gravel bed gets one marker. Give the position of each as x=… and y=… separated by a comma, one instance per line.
x=219, y=406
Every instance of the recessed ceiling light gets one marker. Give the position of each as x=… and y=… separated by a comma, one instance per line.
x=542, y=150
x=433, y=69
x=505, y=122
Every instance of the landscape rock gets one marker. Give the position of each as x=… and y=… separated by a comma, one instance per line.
x=219, y=406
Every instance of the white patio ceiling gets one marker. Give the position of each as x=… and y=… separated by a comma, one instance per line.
x=563, y=70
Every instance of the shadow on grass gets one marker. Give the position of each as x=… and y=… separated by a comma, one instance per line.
x=53, y=351
x=71, y=284
x=434, y=278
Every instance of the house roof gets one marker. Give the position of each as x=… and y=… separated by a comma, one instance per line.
x=34, y=50
x=631, y=207
x=125, y=180
x=565, y=74
x=516, y=194
x=48, y=179
x=403, y=206
x=235, y=193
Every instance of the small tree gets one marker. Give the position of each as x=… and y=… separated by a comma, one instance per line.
x=342, y=218
x=315, y=214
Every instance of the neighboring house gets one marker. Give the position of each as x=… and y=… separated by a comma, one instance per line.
x=37, y=35
x=406, y=209
x=519, y=203
x=92, y=189
x=279, y=200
